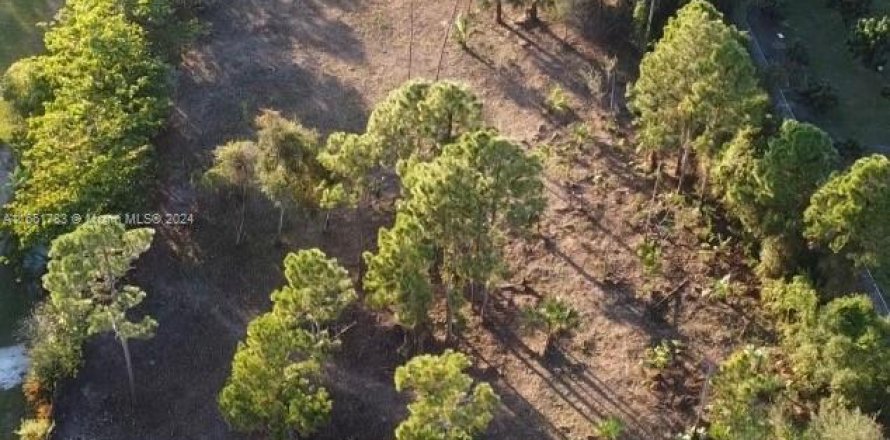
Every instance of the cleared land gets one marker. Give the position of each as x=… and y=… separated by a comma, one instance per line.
x=326, y=63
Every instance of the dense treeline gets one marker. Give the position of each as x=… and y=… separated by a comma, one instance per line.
x=816, y=225
x=92, y=104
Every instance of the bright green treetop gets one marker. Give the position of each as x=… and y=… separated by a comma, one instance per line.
x=418, y=118
x=275, y=382
x=446, y=406
x=317, y=289
x=698, y=86
x=849, y=214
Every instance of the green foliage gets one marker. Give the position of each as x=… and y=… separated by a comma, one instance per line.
x=234, y=164
x=398, y=274
x=870, y=40
x=446, y=405
x=25, y=86
x=275, y=385
x=418, y=118
x=557, y=101
x=460, y=205
x=769, y=193
x=793, y=304
x=611, y=428
x=698, y=86
x=849, y=213
x=271, y=391
x=350, y=159
x=835, y=421
x=554, y=316
x=88, y=151
x=84, y=280
x=287, y=170
x=55, y=338
x=742, y=394
x=649, y=253
x=663, y=354
x=318, y=289
x=463, y=29
x=35, y=429
x=797, y=161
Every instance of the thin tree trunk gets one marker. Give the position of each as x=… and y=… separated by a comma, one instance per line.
x=128, y=360
x=649, y=23
x=654, y=195
x=445, y=38
x=449, y=312
x=499, y=11
x=681, y=171
x=243, y=214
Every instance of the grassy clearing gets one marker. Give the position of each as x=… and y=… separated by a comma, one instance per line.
x=862, y=113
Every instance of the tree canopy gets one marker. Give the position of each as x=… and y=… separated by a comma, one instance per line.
x=698, y=86
x=446, y=405
x=849, y=213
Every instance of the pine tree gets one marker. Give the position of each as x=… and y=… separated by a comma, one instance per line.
x=276, y=380
x=419, y=118
x=234, y=164
x=697, y=88
x=84, y=274
x=849, y=213
x=446, y=405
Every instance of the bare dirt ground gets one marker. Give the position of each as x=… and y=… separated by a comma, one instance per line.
x=326, y=63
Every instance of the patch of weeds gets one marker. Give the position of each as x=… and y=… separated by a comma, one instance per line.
x=722, y=288
x=611, y=428
x=463, y=30
x=555, y=317
x=649, y=253
x=664, y=354
x=557, y=101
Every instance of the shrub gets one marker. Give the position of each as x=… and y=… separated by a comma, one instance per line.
x=557, y=101
x=463, y=29
x=611, y=428
x=742, y=391
x=819, y=95
x=26, y=87
x=777, y=257
x=35, y=429
x=664, y=354
x=870, y=40
x=649, y=253
x=835, y=421
x=554, y=316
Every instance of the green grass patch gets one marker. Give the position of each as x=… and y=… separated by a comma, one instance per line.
x=19, y=34
x=862, y=113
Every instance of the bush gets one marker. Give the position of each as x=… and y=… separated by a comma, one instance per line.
x=835, y=421
x=819, y=95
x=777, y=257
x=611, y=428
x=870, y=40
x=35, y=429
x=557, y=101
x=649, y=253
x=664, y=354
x=26, y=86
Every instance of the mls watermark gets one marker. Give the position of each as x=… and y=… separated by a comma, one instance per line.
x=129, y=219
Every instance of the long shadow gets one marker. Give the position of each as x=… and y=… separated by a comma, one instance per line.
x=588, y=407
